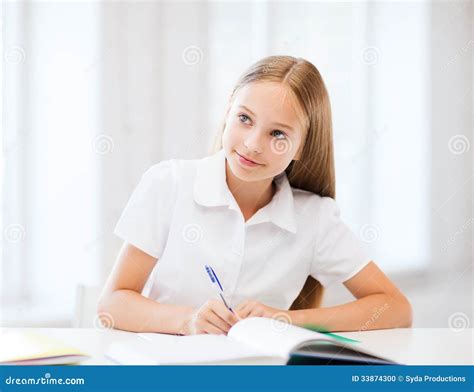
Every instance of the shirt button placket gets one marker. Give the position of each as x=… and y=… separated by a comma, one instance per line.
x=235, y=264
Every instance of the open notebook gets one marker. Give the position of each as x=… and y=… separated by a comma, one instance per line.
x=254, y=337
x=30, y=348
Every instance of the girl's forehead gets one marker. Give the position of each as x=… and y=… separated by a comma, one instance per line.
x=276, y=92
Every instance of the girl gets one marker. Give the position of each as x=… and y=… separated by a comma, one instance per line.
x=261, y=212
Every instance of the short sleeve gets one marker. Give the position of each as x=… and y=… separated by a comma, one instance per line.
x=338, y=254
x=146, y=219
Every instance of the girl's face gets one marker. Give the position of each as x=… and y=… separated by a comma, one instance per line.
x=263, y=124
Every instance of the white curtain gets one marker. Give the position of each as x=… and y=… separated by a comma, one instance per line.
x=95, y=93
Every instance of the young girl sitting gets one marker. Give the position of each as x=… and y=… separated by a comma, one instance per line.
x=260, y=213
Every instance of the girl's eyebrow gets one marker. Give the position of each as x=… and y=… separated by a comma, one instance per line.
x=278, y=124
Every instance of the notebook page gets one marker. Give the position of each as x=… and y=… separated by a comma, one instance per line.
x=155, y=348
x=272, y=336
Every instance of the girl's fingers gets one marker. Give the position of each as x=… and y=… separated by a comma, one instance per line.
x=225, y=314
x=254, y=312
x=244, y=312
x=242, y=305
x=215, y=320
x=209, y=328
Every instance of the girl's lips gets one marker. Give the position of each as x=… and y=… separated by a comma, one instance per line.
x=247, y=162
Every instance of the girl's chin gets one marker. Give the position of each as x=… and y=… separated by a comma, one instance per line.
x=243, y=173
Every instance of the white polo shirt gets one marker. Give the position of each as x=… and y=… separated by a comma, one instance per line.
x=183, y=214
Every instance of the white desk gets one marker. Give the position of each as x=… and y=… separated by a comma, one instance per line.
x=410, y=346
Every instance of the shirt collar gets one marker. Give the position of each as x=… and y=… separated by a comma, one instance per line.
x=211, y=190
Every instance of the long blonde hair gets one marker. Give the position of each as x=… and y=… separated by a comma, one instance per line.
x=314, y=171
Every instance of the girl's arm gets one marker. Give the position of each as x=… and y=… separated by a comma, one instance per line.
x=121, y=304
x=379, y=305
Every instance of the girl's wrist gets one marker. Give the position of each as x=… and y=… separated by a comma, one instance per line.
x=301, y=317
x=185, y=320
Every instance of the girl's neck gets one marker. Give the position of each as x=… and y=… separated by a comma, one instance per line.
x=250, y=196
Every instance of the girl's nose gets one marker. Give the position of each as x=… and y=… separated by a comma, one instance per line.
x=254, y=141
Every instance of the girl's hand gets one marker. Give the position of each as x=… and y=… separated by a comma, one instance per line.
x=251, y=308
x=212, y=317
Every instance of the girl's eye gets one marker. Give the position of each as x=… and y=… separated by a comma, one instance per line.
x=244, y=117
x=280, y=134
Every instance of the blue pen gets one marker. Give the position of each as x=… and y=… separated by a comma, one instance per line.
x=217, y=284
